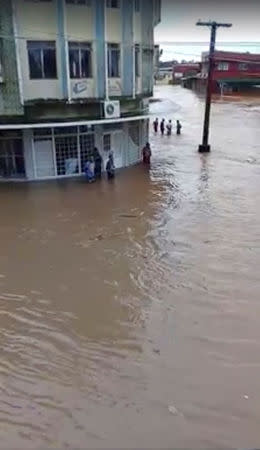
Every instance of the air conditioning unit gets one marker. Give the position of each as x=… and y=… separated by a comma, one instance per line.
x=112, y=109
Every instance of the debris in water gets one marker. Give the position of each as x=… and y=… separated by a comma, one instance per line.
x=157, y=350
x=246, y=397
x=173, y=410
x=128, y=216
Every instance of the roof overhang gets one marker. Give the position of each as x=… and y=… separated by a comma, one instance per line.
x=26, y=126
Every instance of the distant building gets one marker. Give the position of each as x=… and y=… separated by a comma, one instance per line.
x=74, y=74
x=164, y=74
x=233, y=72
x=180, y=70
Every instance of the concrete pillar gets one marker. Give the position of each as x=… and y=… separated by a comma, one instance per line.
x=28, y=154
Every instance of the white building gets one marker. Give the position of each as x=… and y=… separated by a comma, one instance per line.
x=74, y=74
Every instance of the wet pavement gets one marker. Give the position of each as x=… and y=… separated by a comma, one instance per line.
x=130, y=311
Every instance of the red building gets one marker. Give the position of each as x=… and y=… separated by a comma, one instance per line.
x=184, y=70
x=233, y=72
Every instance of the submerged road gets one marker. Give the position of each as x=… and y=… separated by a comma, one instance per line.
x=130, y=311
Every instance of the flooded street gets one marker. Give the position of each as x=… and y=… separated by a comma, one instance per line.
x=130, y=311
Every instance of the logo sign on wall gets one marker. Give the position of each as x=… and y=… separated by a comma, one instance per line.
x=79, y=87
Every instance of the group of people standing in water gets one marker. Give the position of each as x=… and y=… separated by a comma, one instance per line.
x=166, y=126
x=93, y=166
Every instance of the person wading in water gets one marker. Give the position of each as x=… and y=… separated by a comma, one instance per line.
x=110, y=167
x=178, y=127
x=155, y=125
x=147, y=153
x=162, y=126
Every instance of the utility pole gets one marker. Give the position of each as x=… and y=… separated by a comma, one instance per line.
x=205, y=147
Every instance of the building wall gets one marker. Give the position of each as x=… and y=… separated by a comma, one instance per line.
x=61, y=22
x=113, y=25
x=10, y=98
x=127, y=140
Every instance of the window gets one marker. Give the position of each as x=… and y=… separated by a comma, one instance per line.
x=80, y=60
x=134, y=132
x=107, y=142
x=113, y=3
x=223, y=66
x=113, y=60
x=137, y=60
x=137, y=5
x=242, y=66
x=42, y=59
x=87, y=144
x=79, y=2
x=66, y=148
x=11, y=158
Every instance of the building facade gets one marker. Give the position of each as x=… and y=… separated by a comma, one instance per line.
x=74, y=74
x=233, y=72
x=181, y=70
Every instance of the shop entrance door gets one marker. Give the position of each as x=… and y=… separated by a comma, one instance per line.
x=11, y=158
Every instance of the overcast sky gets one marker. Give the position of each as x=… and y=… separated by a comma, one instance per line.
x=180, y=16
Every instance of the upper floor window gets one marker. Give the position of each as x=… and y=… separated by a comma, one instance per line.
x=113, y=60
x=137, y=5
x=79, y=2
x=113, y=3
x=223, y=66
x=80, y=60
x=42, y=59
x=242, y=66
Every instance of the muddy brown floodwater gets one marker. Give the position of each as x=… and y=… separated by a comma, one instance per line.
x=130, y=311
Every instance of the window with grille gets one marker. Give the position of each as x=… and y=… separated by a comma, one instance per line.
x=87, y=144
x=242, y=66
x=42, y=59
x=113, y=60
x=66, y=148
x=223, y=66
x=80, y=60
x=107, y=142
x=113, y=3
x=137, y=60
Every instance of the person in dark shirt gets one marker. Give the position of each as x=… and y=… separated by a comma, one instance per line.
x=162, y=126
x=98, y=163
x=155, y=125
x=147, y=153
x=110, y=167
x=178, y=127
